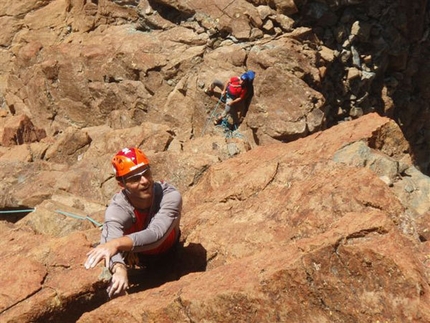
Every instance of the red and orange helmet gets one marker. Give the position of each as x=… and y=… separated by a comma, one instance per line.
x=127, y=160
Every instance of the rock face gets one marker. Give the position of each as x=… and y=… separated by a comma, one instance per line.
x=129, y=61
x=284, y=232
x=315, y=209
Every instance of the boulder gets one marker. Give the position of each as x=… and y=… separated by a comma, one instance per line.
x=19, y=130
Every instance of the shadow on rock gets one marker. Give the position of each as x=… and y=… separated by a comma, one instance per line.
x=183, y=261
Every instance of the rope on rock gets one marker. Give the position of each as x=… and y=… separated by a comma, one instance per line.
x=58, y=211
x=79, y=217
x=228, y=133
x=211, y=116
x=17, y=211
x=224, y=124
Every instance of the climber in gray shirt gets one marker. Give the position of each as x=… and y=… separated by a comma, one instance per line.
x=142, y=219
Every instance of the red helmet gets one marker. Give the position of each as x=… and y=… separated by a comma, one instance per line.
x=127, y=160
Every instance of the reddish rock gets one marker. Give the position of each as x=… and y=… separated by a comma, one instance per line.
x=50, y=274
x=331, y=227
x=19, y=130
x=281, y=232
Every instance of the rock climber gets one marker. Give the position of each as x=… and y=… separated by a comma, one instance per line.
x=235, y=91
x=141, y=222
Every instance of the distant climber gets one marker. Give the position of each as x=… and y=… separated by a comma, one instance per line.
x=236, y=93
x=141, y=223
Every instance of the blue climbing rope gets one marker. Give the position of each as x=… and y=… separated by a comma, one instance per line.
x=228, y=133
x=212, y=115
x=224, y=124
x=58, y=211
x=17, y=211
x=79, y=217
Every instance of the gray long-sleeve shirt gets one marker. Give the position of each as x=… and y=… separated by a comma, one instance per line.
x=164, y=216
